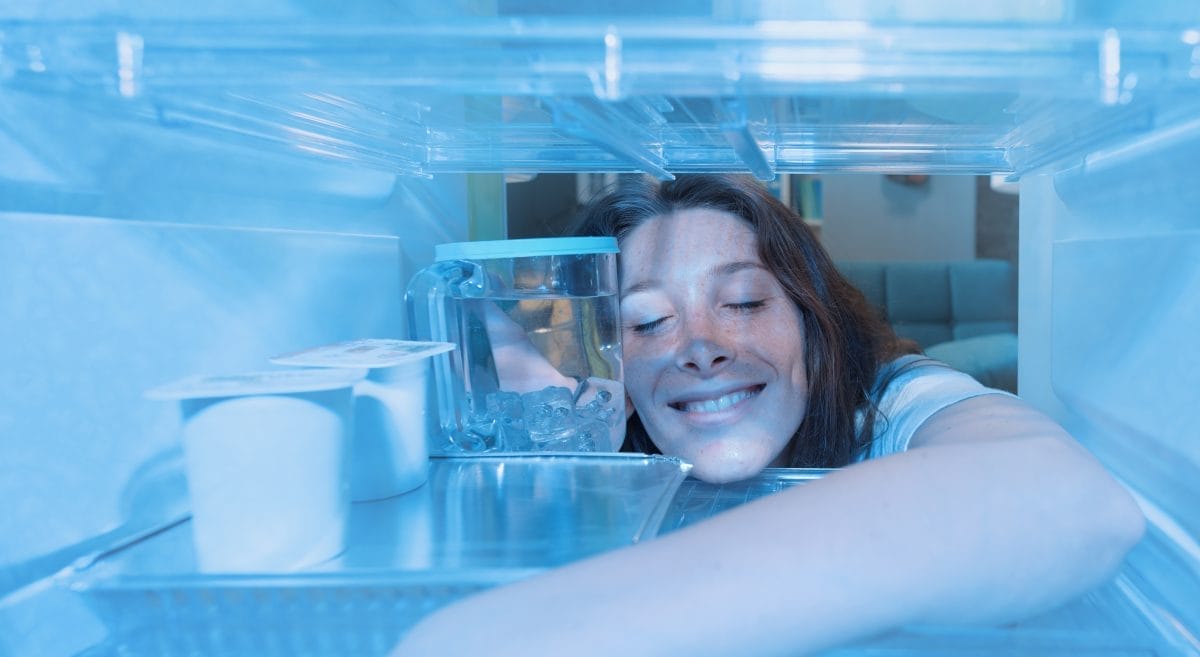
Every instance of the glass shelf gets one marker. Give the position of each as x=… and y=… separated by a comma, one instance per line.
x=488, y=521
x=1116, y=619
x=477, y=523
x=535, y=94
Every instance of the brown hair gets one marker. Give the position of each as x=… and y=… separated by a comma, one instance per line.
x=848, y=339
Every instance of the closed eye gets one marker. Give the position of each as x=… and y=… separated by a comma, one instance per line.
x=747, y=306
x=646, y=327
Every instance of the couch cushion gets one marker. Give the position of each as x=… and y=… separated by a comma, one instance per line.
x=939, y=301
x=923, y=333
x=983, y=297
x=917, y=295
x=868, y=278
x=991, y=359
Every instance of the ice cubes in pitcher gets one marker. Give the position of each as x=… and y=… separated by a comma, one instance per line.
x=541, y=420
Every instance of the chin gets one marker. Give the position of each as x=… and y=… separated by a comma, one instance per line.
x=726, y=468
x=729, y=456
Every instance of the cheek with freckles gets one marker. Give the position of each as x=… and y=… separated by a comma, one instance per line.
x=639, y=372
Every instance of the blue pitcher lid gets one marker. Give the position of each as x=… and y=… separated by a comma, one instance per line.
x=523, y=248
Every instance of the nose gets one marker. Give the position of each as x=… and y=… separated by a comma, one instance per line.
x=703, y=350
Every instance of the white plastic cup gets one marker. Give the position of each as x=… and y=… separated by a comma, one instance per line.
x=266, y=457
x=390, y=451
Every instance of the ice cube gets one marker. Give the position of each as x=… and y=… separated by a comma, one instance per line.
x=500, y=425
x=575, y=439
x=514, y=438
x=469, y=441
x=504, y=405
x=591, y=434
x=548, y=411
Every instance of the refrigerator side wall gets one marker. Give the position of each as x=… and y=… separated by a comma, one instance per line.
x=1109, y=314
x=97, y=310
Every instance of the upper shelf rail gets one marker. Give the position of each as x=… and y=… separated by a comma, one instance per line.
x=610, y=61
x=530, y=95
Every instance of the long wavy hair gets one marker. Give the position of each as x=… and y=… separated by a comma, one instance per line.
x=848, y=340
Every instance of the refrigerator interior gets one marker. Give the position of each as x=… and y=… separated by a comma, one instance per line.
x=194, y=187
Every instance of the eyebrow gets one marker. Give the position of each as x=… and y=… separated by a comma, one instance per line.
x=724, y=269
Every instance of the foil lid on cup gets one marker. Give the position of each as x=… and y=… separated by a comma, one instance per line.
x=368, y=353
x=276, y=382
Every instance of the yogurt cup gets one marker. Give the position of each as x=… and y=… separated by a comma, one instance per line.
x=390, y=450
x=266, y=456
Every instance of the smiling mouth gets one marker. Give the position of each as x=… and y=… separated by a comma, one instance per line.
x=719, y=403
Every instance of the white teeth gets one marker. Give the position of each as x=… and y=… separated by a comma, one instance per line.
x=713, y=405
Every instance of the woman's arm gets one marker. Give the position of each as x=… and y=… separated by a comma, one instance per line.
x=994, y=514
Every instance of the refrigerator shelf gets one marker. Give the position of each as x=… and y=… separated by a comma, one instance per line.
x=478, y=522
x=1116, y=619
x=363, y=602
x=561, y=93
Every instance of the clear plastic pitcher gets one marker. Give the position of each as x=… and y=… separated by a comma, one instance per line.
x=538, y=360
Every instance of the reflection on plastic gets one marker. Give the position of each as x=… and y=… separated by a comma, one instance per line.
x=390, y=454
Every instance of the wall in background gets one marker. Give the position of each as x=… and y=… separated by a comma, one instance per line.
x=995, y=222
x=543, y=206
x=866, y=216
x=875, y=217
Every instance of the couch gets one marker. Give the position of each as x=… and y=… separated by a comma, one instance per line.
x=963, y=313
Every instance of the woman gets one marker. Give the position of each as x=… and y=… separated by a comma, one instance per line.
x=840, y=347
x=744, y=349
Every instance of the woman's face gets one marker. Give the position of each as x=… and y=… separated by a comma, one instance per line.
x=714, y=348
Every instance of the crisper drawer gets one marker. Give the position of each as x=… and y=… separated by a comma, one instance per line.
x=477, y=523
